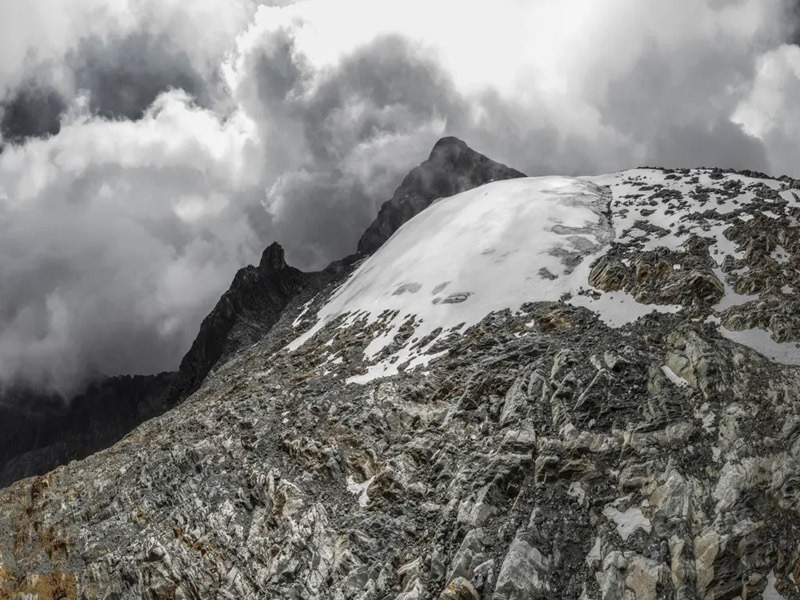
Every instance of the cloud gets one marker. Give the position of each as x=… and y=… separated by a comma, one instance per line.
x=115, y=238
x=770, y=111
x=32, y=111
x=119, y=54
x=154, y=147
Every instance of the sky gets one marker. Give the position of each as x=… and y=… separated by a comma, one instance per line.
x=150, y=148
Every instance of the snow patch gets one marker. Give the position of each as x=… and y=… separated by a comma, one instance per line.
x=770, y=593
x=595, y=554
x=785, y=353
x=619, y=308
x=779, y=254
x=576, y=491
x=359, y=489
x=730, y=297
x=627, y=522
x=676, y=379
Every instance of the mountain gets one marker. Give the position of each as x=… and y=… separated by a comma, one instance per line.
x=536, y=388
x=246, y=312
x=64, y=429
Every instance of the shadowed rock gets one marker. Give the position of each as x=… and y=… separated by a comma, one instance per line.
x=39, y=432
x=242, y=316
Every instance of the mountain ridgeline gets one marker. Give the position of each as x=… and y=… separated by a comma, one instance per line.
x=39, y=431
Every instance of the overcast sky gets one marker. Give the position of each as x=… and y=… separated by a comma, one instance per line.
x=153, y=147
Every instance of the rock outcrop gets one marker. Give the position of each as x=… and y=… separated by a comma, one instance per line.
x=242, y=316
x=452, y=167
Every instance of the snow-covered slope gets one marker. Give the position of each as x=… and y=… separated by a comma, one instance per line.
x=506, y=243
x=744, y=221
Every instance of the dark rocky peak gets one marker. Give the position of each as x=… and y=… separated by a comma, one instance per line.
x=242, y=316
x=273, y=259
x=451, y=168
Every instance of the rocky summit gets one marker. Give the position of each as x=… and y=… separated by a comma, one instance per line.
x=520, y=388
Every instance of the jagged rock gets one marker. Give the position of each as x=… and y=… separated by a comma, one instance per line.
x=460, y=589
x=245, y=313
x=662, y=276
x=524, y=574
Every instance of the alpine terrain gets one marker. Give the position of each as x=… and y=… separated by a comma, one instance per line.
x=517, y=388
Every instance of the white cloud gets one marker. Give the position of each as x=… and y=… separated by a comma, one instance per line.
x=771, y=109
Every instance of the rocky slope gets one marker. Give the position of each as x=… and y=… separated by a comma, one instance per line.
x=540, y=388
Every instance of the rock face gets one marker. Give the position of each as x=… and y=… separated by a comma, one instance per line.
x=563, y=447
x=451, y=168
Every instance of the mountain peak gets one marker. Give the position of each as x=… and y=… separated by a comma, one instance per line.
x=448, y=148
x=273, y=258
x=451, y=168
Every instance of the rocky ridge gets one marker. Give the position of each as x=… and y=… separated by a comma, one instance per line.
x=615, y=442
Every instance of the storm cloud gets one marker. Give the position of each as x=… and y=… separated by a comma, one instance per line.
x=152, y=148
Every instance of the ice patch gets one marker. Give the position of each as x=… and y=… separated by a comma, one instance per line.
x=556, y=223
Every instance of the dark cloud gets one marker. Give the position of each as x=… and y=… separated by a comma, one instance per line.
x=123, y=75
x=32, y=111
x=793, y=22
x=719, y=144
